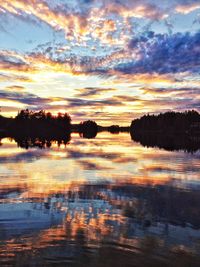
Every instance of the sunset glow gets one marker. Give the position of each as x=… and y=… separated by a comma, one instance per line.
x=95, y=59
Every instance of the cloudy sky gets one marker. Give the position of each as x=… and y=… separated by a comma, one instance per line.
x=107, y=60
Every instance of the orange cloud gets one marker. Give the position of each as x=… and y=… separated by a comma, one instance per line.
x=186, y=9
x=32, y=64
x=137, y=11
x=15, y=88
x=71, y=24
x=80, y=27
x=141, y=79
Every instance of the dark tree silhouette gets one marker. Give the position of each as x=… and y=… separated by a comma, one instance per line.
x=36, y=116
x=114, y=129
x=29, y=122
x=88, y=129
x=168, y=122
x=171, y=130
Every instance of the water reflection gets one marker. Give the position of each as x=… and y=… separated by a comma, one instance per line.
x=97, y=202
x=186, y=142
x=171, y=142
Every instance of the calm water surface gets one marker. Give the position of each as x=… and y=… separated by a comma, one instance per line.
x=103, y=202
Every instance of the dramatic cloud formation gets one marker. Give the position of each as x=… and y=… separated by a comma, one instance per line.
x=104, y=60
x=164, y=54
x=92, y=92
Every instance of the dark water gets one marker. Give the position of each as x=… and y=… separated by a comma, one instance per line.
x=103, y=202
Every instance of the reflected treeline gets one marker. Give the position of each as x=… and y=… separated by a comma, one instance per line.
x=189, y=143
x=168, y=142
x=41, y=142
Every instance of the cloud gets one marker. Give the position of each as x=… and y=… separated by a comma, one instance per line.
x=69, y=104
x=181, y=92
x=24, y=98
x=167, y=103
x=24, y=66
x=162, y=54
x=15, y=88
x=11, y=77
x=90, y=92
x=78, y=102
x=13, y=61
x=126, y=98
x=101, y=38
x=137, y=9
x=149, y=53
x=84, y=20
x=146, y=53
x=187, y=7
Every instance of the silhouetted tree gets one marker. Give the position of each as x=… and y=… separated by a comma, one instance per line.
x=88, y=129
x=114, y=129
x=40, y=122
x=168, y=122
x=171, y=130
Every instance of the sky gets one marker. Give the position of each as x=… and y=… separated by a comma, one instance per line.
x=106, y=60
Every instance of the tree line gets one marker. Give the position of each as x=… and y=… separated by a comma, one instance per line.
x=188, y=121
x=42, y=123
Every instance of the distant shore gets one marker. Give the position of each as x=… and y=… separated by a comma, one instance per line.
x=42, y=123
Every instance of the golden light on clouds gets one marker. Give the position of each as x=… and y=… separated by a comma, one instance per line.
x=132, y=47
x=186, y=9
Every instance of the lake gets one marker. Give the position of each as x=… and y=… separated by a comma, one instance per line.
x=107, y=201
